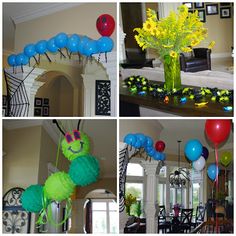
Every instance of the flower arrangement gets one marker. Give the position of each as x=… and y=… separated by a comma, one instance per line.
x=176, y=209
x=129, y=200
x=170, y=36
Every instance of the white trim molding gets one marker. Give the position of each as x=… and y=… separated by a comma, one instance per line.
x=47, y=9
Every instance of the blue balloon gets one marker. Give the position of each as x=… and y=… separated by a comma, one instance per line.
x=41, y=47
x=151, y=152
x=137, y=144
x=212, y=171
x=130, y=139
x=90, y=48
x=61, y=40
x=148, y=148
x=142, y=139
x=12, y=60
x=51, y=45
x=84, y=40
x=73, y=43
x=193, y=149
x=163, y=156
x=157, y=156
x=21, y=59
x=29, y=50
x=105, y=44
x=149, y=141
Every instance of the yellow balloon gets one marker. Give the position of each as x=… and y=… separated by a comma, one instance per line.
x=226, y=158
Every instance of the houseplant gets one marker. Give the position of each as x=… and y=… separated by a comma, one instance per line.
x=129, y=201
x=170, y=36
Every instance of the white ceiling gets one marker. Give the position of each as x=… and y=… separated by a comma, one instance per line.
x=15, y=13
x=102, y=134
x=171, y=131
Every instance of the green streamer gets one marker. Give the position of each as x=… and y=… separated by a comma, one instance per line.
x=58, y=150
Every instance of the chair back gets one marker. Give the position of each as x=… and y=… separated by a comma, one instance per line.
x=200, y=214
x=186, y=216
x=162, y=213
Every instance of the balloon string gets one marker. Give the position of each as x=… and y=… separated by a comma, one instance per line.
x=217, y=183
x=58, y=150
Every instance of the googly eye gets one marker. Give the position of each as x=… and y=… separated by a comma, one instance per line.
x=69, y=138
x=77, y=135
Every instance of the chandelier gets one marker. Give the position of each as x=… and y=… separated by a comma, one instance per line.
x=180, y=177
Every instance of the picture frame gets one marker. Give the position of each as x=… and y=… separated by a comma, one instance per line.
x=38, y=111
x=46, y=102
x=188, y=4
x=199, y=5
x=212, y=9
x=38, y=102
x=202, y=15
x=46, y=111
x=225, y=4
x=225, y=12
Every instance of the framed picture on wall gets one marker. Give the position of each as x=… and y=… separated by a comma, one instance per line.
x=225, y=4
x=198, y=5
x=188, y=4
x=46, y=111
x=38, y=102
x=45, y=102
x=212, y=9
x=38, y=111
x=225, y=12
x=202, y=15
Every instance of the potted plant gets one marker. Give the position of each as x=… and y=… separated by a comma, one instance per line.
x=129, y=201
x=170, y=36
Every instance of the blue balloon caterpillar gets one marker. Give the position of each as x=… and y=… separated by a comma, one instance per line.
x=146, y=142
x=74, y=44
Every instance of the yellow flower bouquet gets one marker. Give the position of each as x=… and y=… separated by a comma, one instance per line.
x=170, y=36
x=129, y=200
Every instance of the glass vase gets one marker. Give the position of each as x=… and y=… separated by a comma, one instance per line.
x=172, y=73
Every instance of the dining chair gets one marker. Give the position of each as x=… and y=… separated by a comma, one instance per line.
x=186, y=220
x=200, y=215
x=163, y=224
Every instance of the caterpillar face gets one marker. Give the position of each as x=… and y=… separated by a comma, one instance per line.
x=75, y=144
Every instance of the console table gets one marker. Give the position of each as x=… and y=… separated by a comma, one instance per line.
x=130, y=103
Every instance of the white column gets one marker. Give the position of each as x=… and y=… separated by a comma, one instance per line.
x=122, y=36
x=150, y=204
x=29, y=76
x=164, y=9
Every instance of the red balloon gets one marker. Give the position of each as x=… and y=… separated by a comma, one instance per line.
x=105, y=25
x=160, y=146
x=217, y=130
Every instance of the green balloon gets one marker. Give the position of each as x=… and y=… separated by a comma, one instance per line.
x=59, y=186
x=84, y=170
x=75, y=148
x=32, y=198
x=226, y=158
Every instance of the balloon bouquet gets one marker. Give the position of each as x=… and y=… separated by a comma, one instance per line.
x=84, y=170
x=74, y=44
x=196, y=153
x=141, y=141
x=217, y=131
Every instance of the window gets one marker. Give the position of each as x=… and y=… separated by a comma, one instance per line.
x=104, y=216
x=196, y=195
x=161, y=194
x=134, y=169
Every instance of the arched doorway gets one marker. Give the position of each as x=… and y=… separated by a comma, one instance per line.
x=100, y=212
x=61, y=93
